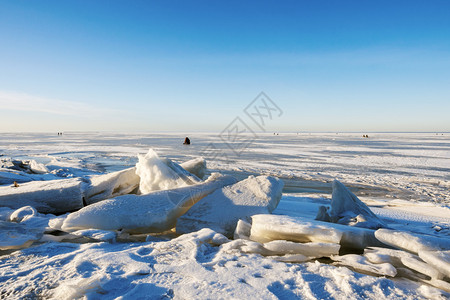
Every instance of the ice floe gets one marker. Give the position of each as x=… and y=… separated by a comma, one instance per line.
x=106, y=186
x=361, y=264
x=53, y=196
x=267, y=228
x=412, y=242
x=347, y=209
x=438, y=259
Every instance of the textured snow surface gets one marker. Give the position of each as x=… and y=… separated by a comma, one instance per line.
x=193, y=266
x=347, y=209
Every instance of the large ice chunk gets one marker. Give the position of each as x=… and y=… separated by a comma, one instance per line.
x=438, y=259
x=111, y=185
x=8, y=177
x=153, y=212
x=421, y=267
x=196, y=166
x=347, y=209
x=394, y=257
x=242, y=230
x=161, y=174
x=221, y=210
x=267, y=228
x=53, y=196
x=412, y=242
x=37, y=167
x=284, y=250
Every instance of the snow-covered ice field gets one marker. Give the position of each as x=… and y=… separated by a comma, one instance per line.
x=403, y=177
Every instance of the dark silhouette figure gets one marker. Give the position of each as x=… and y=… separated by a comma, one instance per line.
x=187, y=141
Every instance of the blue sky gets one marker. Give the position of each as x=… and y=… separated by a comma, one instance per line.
x=195, y=65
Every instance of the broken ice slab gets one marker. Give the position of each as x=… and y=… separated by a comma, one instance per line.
x=196, y=166
x=379, y=255
x=440, y=284
x=222, y=209
x=37, y=167
x=53, y=196
x=438, y=259
x=315, y=250
x=347, y=209
x=161, y=174
x=242, y=230
x=266, y=228
x=421, y=267
x=153, y=212
x=361, y=264
x=111, y=185
x=412, y=242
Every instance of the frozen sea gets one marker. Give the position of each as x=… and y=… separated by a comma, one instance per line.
x=403, y=177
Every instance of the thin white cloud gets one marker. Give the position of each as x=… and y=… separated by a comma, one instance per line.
x=24, y=102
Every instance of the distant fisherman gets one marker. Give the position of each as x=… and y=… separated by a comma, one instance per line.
x=187, y=141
